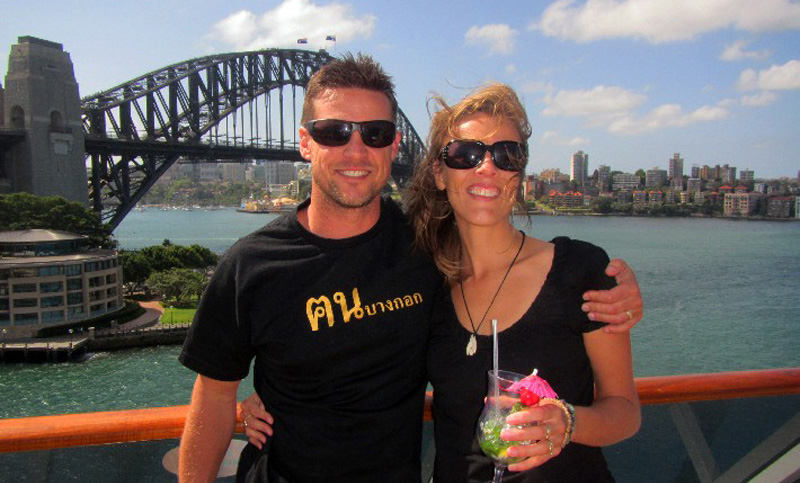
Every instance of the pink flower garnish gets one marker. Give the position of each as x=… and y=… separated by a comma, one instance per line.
x=535, y=384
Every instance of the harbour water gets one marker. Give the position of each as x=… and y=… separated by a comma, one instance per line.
x=720, y=295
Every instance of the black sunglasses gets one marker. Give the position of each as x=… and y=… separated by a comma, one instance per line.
x=334, y=132
x=506, y=155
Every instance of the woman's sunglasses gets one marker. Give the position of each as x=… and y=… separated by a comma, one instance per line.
x=333, y=132
x=506, y=155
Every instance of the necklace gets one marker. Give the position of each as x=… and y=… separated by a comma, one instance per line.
x=472, y=345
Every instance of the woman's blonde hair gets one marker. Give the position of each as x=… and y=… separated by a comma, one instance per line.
x=428, y=208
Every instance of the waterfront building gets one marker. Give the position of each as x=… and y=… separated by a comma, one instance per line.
x=655, y=177
x=604, y=178
x=234, y=172
x=48, y=278
x=553, y=175
x=579, y=168
x=626, y=181
x=741, y=204
x=655, y=197
x=531, y=187
x=570, y=199
x=676, y=171
x=694, y=186
x=279, y=172
x=639, y=197
x=780, y=206
x=797, y=207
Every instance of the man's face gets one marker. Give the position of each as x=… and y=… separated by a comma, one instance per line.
x=349, y=176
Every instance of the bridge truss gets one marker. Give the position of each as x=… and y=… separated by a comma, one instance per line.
x=221, y=108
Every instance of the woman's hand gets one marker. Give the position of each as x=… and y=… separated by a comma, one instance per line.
x=547, y=428
x=257, y=421
x=622, y=306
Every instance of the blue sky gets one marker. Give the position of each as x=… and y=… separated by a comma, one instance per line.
x=630, y=82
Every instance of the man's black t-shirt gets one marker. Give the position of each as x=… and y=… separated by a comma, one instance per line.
x=339, y=331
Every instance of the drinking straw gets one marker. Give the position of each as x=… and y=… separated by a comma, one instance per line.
x=494, y=341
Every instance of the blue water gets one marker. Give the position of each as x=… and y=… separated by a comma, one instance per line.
x=720, y=295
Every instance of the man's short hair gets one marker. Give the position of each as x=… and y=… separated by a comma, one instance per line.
x=349, y=72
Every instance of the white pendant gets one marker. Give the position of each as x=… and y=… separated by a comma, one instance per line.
x=472, y=345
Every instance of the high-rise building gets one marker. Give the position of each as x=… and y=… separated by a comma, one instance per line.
x=696, y=171
x=604, y=178
x=579, y=168
x=676, y=171
x=727, y=174
x=746, y=176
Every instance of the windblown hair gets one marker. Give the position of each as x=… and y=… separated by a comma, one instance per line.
x=349, y=72
x=428, y=208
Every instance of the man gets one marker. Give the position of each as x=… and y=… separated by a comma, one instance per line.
x=333, y=304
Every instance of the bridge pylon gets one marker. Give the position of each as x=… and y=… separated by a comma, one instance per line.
x=41, y=99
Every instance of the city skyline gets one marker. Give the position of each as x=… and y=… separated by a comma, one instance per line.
x=628, y=81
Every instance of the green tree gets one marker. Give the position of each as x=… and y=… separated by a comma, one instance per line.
x=136, y=268
x=178, y=286
x=603, y=204
x=23, y=211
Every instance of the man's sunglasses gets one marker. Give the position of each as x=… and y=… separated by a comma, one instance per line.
x=333, y=132
x=506, y=155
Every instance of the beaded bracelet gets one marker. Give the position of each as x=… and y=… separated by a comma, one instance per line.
x=569, y=413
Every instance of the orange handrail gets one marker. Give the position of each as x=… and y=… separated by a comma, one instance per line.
x=66, y=430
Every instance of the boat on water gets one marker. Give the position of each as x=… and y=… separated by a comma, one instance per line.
x=726, y=427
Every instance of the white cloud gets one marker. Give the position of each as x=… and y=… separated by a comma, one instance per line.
x=759, y=100
x=665, y=116
x=289, y=21
x=658, y=21
x=497, y=38
x=736, y=51
x=601, y=101
x=614, y=109
x=555, y=139
x=776, y=78
x=511, y=68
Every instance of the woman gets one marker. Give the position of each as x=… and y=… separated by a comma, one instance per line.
x=461, y=201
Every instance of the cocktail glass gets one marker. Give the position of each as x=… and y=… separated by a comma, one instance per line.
x=500, y=402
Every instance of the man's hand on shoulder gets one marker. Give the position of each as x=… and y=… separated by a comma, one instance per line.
x=622, y=306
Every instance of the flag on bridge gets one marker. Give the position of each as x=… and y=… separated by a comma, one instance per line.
x=302, y=41
x=331, y=37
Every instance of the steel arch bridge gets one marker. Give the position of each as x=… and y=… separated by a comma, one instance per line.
x=220, y=108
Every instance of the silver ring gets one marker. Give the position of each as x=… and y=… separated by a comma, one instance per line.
x=547, y=432
x=630, y=314
x=550, y=447
x=244, y=421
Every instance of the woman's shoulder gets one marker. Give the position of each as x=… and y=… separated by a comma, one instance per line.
x=579, y=257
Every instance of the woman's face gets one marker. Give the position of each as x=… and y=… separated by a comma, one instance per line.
x=484, y=195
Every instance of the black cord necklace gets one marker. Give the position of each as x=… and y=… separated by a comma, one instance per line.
x=472, y=345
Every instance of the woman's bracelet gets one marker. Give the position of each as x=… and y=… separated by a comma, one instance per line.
x=569, y=414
